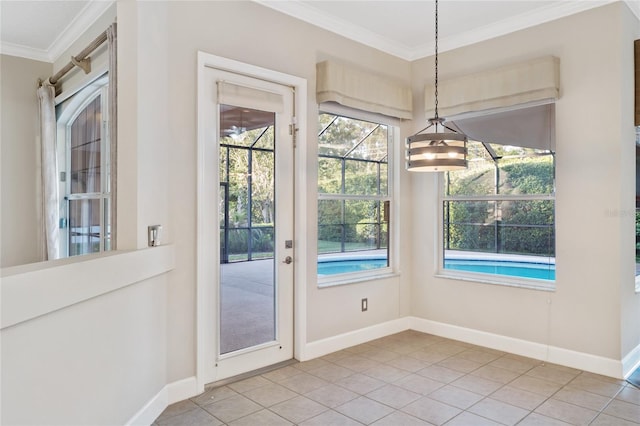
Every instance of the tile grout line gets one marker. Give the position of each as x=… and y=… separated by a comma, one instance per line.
x=373, y=352
x=608, y=404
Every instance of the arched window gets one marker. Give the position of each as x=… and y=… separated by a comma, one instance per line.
x=85, y=164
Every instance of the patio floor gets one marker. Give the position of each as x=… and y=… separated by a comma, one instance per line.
x=247, y=312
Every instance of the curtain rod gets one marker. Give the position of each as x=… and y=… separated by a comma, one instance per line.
x=80, y=60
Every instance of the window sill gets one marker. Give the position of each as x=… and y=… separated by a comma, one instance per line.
x=525, y=283
x=357, y=278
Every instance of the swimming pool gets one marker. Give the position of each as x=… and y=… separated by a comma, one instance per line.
x=540, y=271
x=344, y=265
x=535, y=270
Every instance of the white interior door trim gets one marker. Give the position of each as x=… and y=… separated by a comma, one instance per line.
x=206, y=200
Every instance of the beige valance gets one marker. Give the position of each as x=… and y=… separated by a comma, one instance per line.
x=637, y=65
x=516, y=84
x=362, y=90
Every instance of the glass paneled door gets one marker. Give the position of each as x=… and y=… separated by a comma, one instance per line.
x=247, y=231
x=255, y=224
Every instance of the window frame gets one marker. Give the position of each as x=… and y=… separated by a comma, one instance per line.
x=393, y=145
x=487, y=278
x=637, y=210
x=78, y=103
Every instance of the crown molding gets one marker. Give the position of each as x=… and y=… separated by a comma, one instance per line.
x=313, y=16
x=526, y=20
x=26, y=52
x=634, y=5
x=94, y=9
x=557, y=10
x=87, y=17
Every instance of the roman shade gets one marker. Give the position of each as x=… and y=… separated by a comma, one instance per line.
x=510, y=105
x=356, y=88
x=248, y=97
x=508, y=86
x=530, y=126
x=637, y=69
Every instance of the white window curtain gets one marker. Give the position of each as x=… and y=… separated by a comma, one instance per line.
x=359, y=89
x=112, y=42
x=49, y=170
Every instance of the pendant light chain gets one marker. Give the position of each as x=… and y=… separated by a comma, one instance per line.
x=436, y=85
x=443, y=149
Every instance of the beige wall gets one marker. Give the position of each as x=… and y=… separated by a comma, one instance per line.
x=594, y=176
x=100, y=360
x=628, y=30
x=144, y=139
x=97, y=362
x=248, y=32
x=20, y=179
x=133, y=341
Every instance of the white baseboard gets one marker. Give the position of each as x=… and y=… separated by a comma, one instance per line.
x=631, y=361
x=480, y=338
x=580, y=360
x=586, y=362
x=152, y=409
x=553, y=354
x=173, y=392
x=335, y=343
x=183, y=389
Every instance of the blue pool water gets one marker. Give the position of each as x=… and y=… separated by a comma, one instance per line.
x=540, y=271
x=349, y=264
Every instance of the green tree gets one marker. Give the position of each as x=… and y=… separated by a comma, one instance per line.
x=352, y=161
x=245, y=183
x=507, y=226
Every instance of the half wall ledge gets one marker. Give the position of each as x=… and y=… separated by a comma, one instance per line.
x=30, y=291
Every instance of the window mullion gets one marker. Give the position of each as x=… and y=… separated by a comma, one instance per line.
x=343, y=171
x=87, y=196
x=104, y=160
x=353, y=197
x=501, y=197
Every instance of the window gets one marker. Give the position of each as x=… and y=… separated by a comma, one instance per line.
x=247, y=178
x=498, y=215
x=354, y=196
x=84, y=158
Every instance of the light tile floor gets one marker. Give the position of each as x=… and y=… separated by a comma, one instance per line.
x=413, y=378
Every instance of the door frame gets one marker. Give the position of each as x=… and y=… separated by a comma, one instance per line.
x=206, y=281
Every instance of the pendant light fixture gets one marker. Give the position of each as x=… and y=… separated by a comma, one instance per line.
x=443, y=150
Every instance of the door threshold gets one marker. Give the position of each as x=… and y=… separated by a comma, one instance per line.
x=249, y=374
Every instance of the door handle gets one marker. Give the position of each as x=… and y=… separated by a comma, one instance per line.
x=287, y=260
